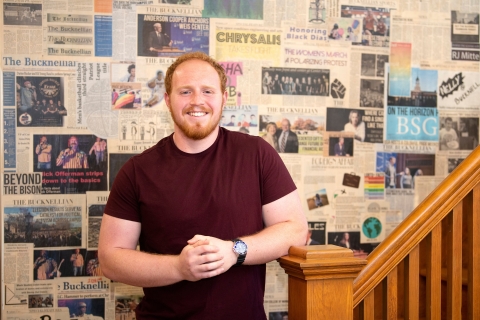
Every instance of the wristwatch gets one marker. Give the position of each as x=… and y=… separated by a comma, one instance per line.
x=240, y=248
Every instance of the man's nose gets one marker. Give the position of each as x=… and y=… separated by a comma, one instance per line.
x=197, y=99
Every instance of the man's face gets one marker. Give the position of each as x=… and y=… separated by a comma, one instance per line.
x=82, y=309
x=196, y=100
x=50, y=101
x=158, y=27
x=392, y=161
x=44, y=101
x=27, y=84
x=43, y=140
x=354, y=119
x=285, y=125
x=448, y=125
x=132, y=72
x=340, y=141
x=73, y=143
x=77, y=251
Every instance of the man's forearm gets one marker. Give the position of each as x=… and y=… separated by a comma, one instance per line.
x=140, y=268
x=274, y=241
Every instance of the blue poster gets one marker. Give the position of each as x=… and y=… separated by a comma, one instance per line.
x=411, y=124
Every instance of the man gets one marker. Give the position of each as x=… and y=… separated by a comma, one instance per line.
x=253, y=121
x=448, y=136
x=81, y=312
x=232, y=121
x=46, y=266
x=77, y=263
x=61, y=109
x=28, y=95
x=340, y=148
x=157, y=40
x=287, y=140
x=99, y=148
x=178, y=199
x=390, y=173
x=44, y=153
x=72, y=157
x=355, y=125
x=157, y=87
x=130, y=77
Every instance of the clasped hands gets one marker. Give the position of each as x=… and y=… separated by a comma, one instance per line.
x=205, y=257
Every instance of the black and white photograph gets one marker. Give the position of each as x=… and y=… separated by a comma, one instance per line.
x=371, y=93
x=21, y=14
x=291, y=81
x=368, y=65
x=458, y=133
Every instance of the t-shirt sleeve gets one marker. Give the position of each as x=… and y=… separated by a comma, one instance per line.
x=276, y=180
x=123, y=200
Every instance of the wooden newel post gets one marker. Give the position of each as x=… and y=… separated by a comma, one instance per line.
x=320, y=282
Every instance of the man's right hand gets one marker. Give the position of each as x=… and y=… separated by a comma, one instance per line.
x=200, y=260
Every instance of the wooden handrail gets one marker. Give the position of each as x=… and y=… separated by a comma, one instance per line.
x=417, y=225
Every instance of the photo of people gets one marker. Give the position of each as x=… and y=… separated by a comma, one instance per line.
x=290, y=81
x=400, y=169
x=340, y=146
x=292, y=134
x=344, y=29
x=317, y=200
x=95, y=214
x=157, y=89
x=86, y=155
x=26, y=225
x=21, y=14
x=158, y=36
x=376, y=24
x=316, y=233
x=46, y=265
x=458, y=133
x=366, y=125
x=40, y=301
x=125, y=306
x=371, y=93
x=40, y=101
x=243, y=119
x=123, y=72
x=93, y=309
x=349, y=240
x=368, y=65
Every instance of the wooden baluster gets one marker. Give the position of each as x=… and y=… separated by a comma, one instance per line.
x=390, y=290
x=367, y=307
x=434, y=273
x=473, y=199
x=411, y=292
x=454, y=263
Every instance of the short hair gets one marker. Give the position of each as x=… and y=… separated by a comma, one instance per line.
x=157, y=24
x=195, y=56
x=448, y=119
x=130, y=67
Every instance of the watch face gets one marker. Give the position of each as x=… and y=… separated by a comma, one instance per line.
x=240, y=247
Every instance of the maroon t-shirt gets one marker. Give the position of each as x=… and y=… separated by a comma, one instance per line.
x=218, y=192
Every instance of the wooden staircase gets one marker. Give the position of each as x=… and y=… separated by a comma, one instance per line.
x=427, y=268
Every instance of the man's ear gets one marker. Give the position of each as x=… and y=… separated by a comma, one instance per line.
x=167, y=101
x=224, y=100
